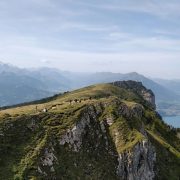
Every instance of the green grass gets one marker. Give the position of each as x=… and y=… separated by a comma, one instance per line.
x=125, y=137
x=167, y=158
x=95, y=92
x=165, y=144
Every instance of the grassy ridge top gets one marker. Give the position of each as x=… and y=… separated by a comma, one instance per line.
x=85, y=95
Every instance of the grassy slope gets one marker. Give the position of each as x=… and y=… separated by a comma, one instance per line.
x=21, y=146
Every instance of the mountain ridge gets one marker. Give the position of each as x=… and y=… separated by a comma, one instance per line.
x=102, y=131
x=54, y=81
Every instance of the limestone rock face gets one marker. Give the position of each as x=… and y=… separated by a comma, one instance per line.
x=138, y=88
x=73, y=137
x=138, y=163
x=149, y=97
x=135, y=110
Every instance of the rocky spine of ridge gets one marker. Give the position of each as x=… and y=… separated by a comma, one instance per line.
x=92, y=136
x=138, y=88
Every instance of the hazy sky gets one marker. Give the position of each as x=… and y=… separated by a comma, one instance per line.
x=93, y=35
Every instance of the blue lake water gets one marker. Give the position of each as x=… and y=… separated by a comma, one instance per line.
x=173, y=120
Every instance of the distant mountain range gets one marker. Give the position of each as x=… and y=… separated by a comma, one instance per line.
x=21, y=85
x=173, y=85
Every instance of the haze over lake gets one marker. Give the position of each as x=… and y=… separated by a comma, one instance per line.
x=173, y=120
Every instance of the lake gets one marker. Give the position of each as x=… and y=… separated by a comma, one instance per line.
x=172, y=120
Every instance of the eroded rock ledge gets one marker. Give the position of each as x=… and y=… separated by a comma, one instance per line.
x=136, y=163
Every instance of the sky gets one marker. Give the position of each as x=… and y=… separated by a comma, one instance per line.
x=93, y=35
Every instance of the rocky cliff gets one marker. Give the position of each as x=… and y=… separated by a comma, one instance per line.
x=107, y=131
x=139, y=89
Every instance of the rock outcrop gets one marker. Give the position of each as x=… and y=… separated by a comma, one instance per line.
x=138, y=88
x=138, y=163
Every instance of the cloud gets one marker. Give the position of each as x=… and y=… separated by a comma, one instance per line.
x=45, y=61
x=157, y=64
x=109, y=35
x=161, y=8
